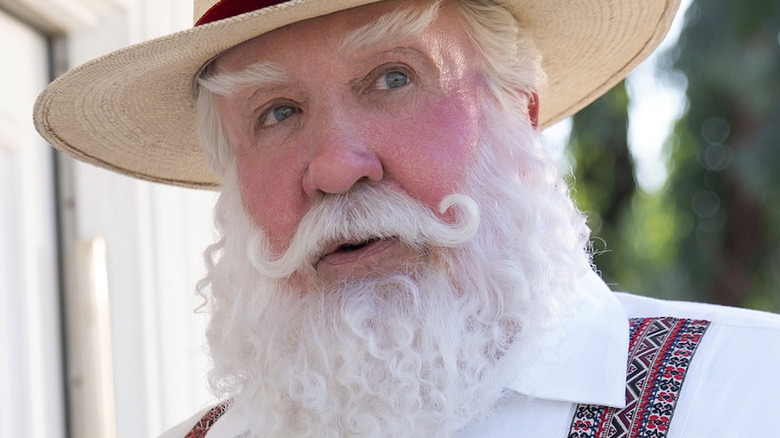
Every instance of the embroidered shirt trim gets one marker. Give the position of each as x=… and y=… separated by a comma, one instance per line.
x=207, y=421
x=660, y=351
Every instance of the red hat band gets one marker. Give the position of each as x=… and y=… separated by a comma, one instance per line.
x=230, y=8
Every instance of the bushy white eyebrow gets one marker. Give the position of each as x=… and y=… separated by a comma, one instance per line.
x=394, y=26
x=260, y=75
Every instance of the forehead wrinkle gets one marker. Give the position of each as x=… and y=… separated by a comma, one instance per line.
x=398, y=25
x=260, y=75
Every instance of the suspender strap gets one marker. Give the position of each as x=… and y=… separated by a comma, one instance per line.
x=660, y=351
x=209, y=418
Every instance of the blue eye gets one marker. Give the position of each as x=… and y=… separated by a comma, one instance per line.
x=282, y=112
x=393, y=79
x=279, y=113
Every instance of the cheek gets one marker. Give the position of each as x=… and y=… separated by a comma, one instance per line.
x=270, y=192
x=272, y=198
x=438, y=148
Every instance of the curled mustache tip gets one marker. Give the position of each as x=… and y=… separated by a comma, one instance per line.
x=469, y=223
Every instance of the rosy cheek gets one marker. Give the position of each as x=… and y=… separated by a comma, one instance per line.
x=432, y=163
x=271, y=201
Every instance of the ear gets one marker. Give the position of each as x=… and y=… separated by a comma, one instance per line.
x=533, y=110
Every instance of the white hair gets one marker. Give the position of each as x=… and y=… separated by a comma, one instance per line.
x=400, y=24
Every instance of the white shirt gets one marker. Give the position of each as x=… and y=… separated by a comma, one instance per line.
x=732, y=388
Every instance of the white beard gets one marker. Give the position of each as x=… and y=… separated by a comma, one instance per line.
x=419, y=353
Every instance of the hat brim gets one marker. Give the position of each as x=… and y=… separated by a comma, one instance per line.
x=133, y=111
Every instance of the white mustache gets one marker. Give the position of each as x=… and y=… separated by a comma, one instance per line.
x=365, y=213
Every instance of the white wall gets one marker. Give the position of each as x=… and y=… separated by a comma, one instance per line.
x=31, y=393
x=154, y=237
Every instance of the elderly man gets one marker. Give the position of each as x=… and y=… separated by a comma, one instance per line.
x=398, y=256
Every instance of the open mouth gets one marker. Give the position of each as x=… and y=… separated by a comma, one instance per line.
x=347, y=247
x=348, y=252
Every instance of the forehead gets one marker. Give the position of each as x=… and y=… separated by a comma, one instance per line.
x=334, y=31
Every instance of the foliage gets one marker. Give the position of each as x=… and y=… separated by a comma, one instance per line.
x=710, y=235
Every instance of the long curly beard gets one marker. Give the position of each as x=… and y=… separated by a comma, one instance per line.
x=421, y=352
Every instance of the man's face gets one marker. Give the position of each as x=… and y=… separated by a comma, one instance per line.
x=346, y=139
x=399, y=110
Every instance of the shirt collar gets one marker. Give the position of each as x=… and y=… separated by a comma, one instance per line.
x=581, y=359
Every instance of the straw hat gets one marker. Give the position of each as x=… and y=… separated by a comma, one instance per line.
x=133, y=110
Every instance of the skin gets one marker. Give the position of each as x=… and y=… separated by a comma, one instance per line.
x=404, y=113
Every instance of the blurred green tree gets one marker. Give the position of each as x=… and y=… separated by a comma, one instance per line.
x=711, y=234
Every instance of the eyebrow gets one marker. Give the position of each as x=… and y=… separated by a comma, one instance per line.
x=262, y=74
x=398, y=25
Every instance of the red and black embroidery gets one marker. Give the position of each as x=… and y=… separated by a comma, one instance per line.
x=660, y=351
x=209, y=418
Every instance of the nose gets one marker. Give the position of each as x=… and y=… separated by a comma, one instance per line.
x=341, y=156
